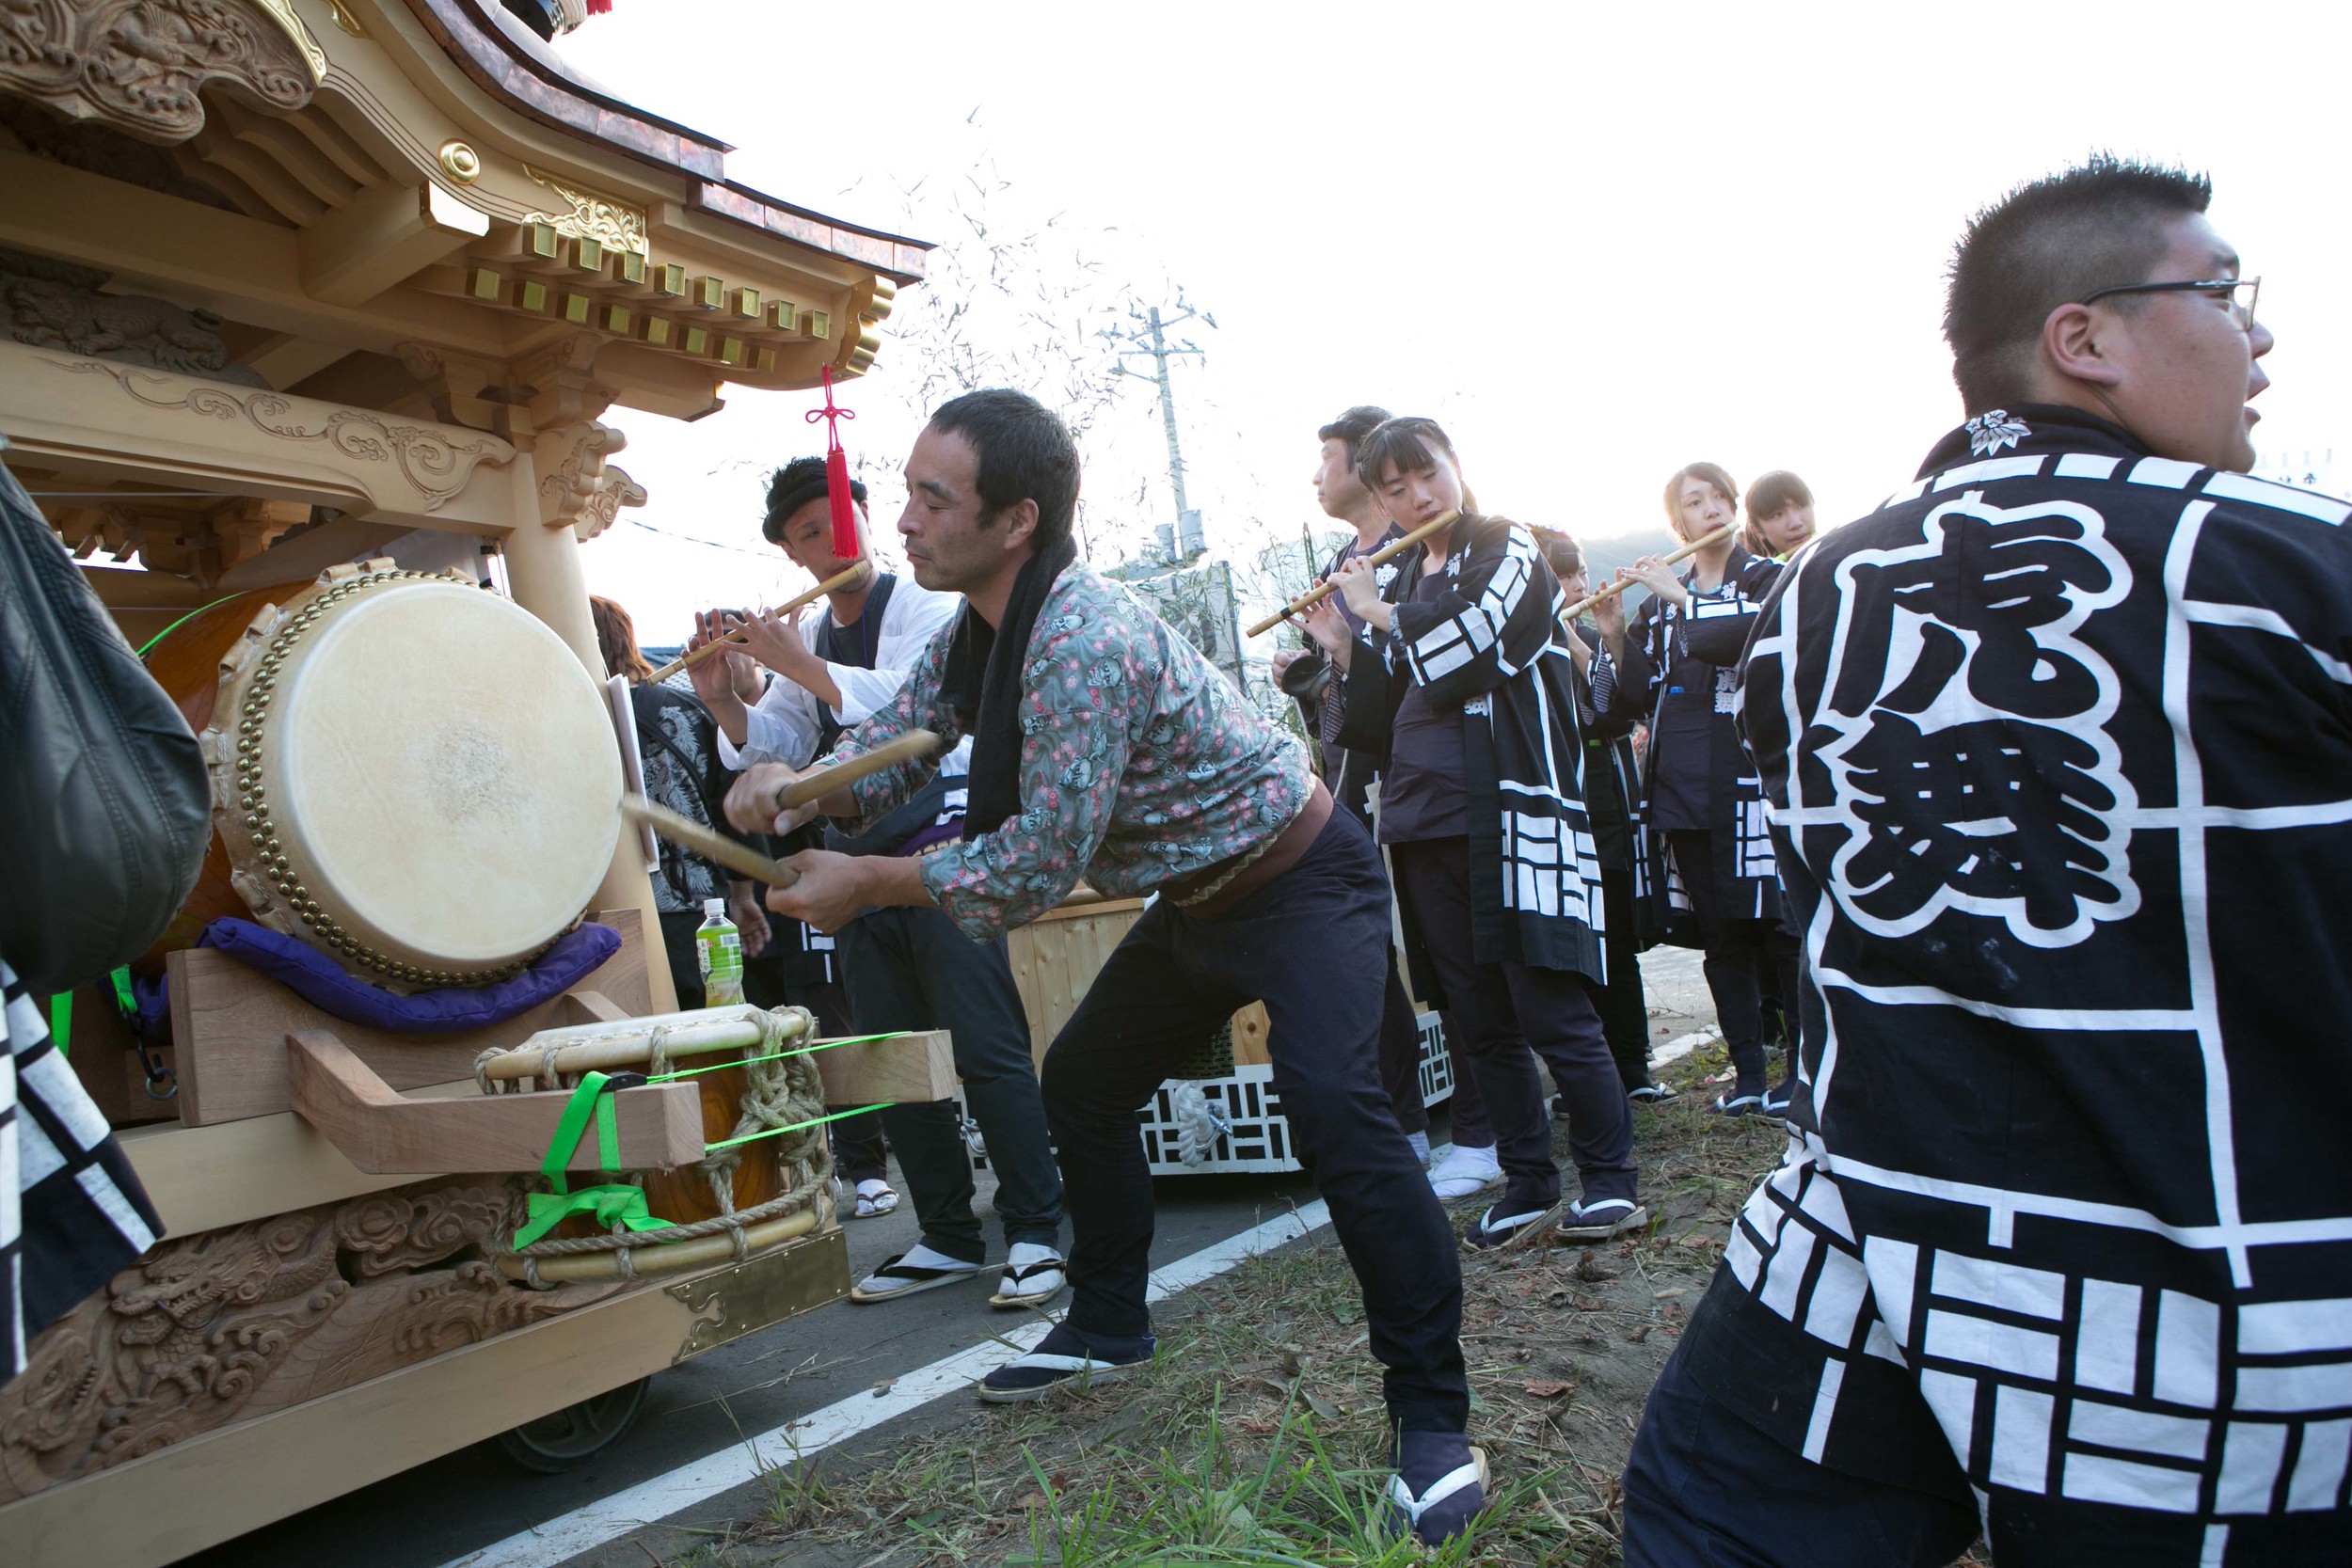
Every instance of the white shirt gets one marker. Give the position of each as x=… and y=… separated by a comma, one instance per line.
x=786, y=724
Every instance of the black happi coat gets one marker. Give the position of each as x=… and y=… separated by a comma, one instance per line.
x=1664, y=645
x=1612, y=797
x=2060, y=747
x=1492, y=646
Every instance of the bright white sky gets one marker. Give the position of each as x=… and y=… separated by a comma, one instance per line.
x=1596, y=246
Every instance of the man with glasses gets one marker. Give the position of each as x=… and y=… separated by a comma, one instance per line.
x=2058, y=749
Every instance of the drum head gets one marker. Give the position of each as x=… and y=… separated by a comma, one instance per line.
x=441, y=774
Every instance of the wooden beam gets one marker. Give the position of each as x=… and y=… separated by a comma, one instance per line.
x=121, y=587
x=380, y=237
x=657, y=1126
x=157, y=430
x=165, y=1505
x=230, y=1025
x=284, y=359
x=331, y=543
x=204, y=1178
x=907, y=1069
x=195, y=255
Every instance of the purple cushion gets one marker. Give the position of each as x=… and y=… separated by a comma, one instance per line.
x=322, y=982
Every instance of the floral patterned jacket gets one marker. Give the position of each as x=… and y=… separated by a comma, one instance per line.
x=1139, y=763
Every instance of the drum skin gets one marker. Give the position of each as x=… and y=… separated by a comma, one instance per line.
x=413, y=775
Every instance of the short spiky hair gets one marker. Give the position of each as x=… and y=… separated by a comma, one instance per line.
x=2045, y=245
x=1026, y=454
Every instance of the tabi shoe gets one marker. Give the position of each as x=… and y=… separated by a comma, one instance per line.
x=1464, y=1172
x=1776, y=1100
x=909, y=1274
x=1738, y=1106
x=1519, y=1219
x=1601, y=1220
x=1033, y=1277
x=1651, y=1094
x=1065, y=1359
x=874, y=1198
x=1438, y=1488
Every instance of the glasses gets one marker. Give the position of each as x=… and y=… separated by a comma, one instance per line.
x=2242, y=293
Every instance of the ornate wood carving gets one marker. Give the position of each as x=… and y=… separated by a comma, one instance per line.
x=578, y=488
x=431, y=463
x=54, y=304
x=233, y=1323
x=142, y=64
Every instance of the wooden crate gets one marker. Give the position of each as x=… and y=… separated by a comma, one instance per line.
x=1056, y=959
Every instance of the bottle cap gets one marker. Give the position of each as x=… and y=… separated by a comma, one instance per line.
x=714, y=909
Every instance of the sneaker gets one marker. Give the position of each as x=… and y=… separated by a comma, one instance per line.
x=1601, y=1220
x=1651, y=1094
x=1033, y=1277
x=1466, y=1171
x=1438, y=1488
x=1065, y=1358
x=910, y=1274
x=1520, y=1218
x=1739, y=1105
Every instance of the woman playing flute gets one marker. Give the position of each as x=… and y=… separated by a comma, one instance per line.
x=1463, y=685
x=1713, y=879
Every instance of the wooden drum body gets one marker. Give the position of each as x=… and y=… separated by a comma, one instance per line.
x=410, y=773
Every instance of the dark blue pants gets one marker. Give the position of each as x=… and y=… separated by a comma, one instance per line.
x=913, y=969
x=1312, y=945
x=1508, y=1014
x=1704, y=1489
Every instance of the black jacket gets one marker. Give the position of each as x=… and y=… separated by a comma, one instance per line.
x=1491, y=646
x=1664, y=644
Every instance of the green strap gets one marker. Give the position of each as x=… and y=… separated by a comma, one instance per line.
x=148, y=646
x=612, y=1204
x=61, y=1009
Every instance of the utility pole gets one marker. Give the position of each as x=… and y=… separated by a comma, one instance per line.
x=1148, y=339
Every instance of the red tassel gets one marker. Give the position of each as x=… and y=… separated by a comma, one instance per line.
x=836, y=471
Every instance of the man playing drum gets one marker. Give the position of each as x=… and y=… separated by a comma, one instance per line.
x=1105, y=746
x=904, y=968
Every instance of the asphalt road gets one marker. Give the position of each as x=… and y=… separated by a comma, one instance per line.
x=458, y=1504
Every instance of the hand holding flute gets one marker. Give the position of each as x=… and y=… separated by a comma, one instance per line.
x=1625, y=581
x=736, y=639
x=1386, y=553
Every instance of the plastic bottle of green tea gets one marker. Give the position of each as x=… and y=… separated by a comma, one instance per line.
x=718, y=953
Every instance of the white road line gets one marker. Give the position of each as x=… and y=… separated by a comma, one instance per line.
x=1682, y=1045
x=594, y=1524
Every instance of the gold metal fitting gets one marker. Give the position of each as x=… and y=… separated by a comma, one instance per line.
x=460, y=163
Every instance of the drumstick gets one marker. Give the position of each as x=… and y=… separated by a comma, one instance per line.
x=750, y=861
x=1380, y=558
x=913, y=746
x=735, y=638
x=1616, y=588
x=718, y=847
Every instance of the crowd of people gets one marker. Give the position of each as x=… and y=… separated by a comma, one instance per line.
x=1993, y=811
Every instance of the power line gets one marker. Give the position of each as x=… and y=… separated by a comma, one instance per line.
x=690, y=539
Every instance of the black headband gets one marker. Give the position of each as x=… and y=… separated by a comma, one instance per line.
x=780, y=508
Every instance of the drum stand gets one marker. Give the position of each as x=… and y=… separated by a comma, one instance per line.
x=308, y=1218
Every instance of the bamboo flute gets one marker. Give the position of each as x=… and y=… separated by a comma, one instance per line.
x=735, y=638
x=1616, y=588
x=1381, y=556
